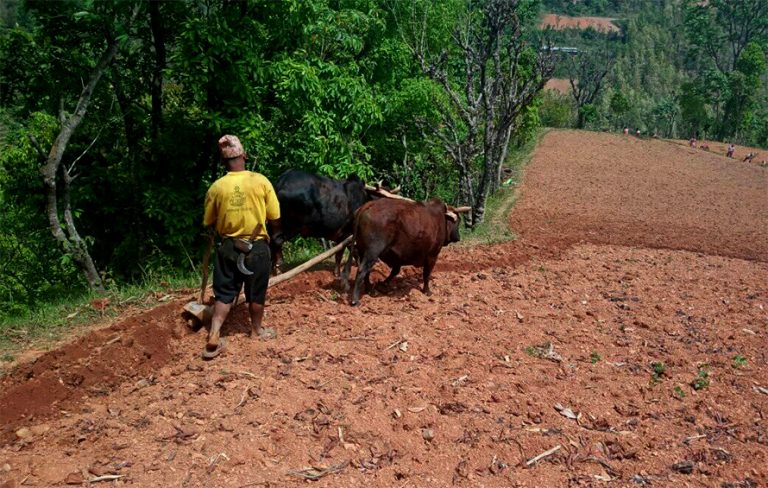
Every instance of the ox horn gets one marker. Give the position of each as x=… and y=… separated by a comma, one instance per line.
x=384, y=193
x=462, y=209
x=452, y=216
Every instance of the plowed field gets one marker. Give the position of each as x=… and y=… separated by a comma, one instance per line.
x=560, y=85
x=561, y=22
x=623, y=335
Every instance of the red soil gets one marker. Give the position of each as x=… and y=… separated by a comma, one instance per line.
x=630, y=252
x=559, y=85
x=562, y=22
x=740, y=152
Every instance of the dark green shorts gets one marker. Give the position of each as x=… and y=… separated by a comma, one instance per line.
x=228, y=280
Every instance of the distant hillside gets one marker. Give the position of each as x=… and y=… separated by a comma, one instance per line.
x=664, y=75
x=562, y=22
x=559, y=85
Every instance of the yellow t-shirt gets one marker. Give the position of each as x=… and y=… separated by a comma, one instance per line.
x=239, y=201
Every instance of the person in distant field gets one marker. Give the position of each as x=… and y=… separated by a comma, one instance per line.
x=692, y=142
x=626, y=131
x=731, y=149
x=238, y=206
x=704, y=146
x=637, y=133
x=750, y=157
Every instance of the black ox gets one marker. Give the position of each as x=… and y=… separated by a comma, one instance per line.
x=315, y=206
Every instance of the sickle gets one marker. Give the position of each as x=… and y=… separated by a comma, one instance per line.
x=241, y=265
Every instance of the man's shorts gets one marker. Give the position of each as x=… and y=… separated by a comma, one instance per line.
x=228, y=280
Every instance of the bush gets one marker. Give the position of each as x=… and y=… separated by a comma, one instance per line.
x=556, y=110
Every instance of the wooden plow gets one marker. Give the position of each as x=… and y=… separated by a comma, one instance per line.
x=204, y=313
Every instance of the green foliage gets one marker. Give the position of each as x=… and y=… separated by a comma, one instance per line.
x=33, y=267
x=679, y=393
x=657, y=371
x=665, y=115
x=681, y=67
x=702, y=379
x=595, y=357
x=494, y=228
x=327, y=86
x=530, y=123
x=556, y=110
x=588, y=114
x=729, y=39
x=740, y=361
x=60, y=313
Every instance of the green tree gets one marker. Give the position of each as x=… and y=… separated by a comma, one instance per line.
x=730, y=40
x=619, y=107
x=489, y=75
x=587, y=72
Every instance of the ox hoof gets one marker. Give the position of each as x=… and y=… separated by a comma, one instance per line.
x=355, y=303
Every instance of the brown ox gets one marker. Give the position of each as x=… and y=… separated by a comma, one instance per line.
x=402, y=232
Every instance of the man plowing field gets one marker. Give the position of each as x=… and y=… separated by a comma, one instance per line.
x=238, y=206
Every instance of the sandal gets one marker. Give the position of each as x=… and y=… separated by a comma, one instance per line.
x=267, y=333
x=210, y=354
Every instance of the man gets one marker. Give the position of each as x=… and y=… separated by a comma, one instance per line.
x=238, y=206
x=731, y=150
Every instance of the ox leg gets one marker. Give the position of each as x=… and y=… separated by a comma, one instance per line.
x=277, y=259
x=427, y=273
x=394, y=272
x=347, y=271
x=363, y=270
x=338, y=257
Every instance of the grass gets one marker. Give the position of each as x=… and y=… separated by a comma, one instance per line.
x=702, y=378
x=739, y=361
x=50, y=322
x=657, y=371
x=495, y=228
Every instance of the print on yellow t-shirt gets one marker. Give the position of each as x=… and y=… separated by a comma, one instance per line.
x=238, y=202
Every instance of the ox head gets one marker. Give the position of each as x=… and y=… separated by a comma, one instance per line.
x=451, y=226
x=451, y=216
x=452, y=222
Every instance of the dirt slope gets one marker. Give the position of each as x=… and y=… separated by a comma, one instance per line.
x=459, y=388
x=560, y=85
x=561, y=22
x=605, y=188
x=740, y=152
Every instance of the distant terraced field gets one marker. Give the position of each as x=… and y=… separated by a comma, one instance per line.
x=560, y=85
x=562, y=22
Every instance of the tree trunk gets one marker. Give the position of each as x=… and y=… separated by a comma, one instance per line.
x=581, y=120
x=158, y=38
x=70, y=240
x=466, y=190
x=502, y=159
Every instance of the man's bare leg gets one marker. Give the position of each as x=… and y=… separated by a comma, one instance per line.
x=256, y=311
x=220, y=312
